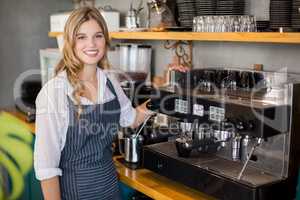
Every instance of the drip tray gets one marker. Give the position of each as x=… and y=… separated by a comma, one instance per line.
x=252, y=177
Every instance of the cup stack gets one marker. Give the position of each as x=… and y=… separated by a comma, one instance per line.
x=206, y=7
x=230, y=7
x=280, y=14
x=296, y=14
x=186, y=12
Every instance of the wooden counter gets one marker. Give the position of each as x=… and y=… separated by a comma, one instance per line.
x=156, y=186
x=143, y=180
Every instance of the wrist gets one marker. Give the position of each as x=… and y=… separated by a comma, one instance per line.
x=149, y=113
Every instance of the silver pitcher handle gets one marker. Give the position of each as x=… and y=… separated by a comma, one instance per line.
x=121, y=142
x=121, y=146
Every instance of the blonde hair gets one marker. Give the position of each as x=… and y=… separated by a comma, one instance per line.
x=70, y=62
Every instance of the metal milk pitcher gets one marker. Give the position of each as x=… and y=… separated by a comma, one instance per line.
x=130, y=147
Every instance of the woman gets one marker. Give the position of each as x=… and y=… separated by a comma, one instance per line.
x=78, y=114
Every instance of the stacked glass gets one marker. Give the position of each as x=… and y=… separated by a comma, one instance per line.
x=225, y=23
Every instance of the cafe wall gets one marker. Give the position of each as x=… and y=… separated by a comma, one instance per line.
x=24, y=30
x=274, y=57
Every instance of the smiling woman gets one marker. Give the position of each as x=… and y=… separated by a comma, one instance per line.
x=86, y=43
x=78, y=113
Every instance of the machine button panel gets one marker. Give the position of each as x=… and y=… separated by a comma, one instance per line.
x=198, y=110
x=216, y=113
x=181, y=106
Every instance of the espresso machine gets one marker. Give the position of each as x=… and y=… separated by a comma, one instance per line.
x=238, y=135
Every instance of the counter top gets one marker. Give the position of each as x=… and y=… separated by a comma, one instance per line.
x=156, y=186
x=143, y=180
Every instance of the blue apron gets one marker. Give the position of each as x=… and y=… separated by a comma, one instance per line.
x=86, y=160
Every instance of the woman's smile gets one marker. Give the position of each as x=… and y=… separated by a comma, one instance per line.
x=92, y=52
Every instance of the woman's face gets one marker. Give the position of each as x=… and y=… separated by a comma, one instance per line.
x=90, y=43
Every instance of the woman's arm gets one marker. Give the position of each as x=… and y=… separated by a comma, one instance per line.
x=49, y=130
x=51, y=189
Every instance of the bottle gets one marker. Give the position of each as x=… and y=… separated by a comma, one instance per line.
x=132, y=21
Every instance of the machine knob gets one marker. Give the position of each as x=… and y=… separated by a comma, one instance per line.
x=159, y=165
x=153, y=105
x=240, y=125
x=245, y=126
x=250, y=125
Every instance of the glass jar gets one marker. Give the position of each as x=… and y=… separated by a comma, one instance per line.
x=159, y=15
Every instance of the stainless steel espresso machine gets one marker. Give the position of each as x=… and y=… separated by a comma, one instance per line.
x=239, y=137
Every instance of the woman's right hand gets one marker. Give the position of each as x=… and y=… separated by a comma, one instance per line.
x=51, y=188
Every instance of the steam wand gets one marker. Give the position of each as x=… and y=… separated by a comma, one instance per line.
x=142, y=126
x=248, y=158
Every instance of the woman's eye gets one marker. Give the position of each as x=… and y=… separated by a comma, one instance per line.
x=80, y=38
x=99, y=36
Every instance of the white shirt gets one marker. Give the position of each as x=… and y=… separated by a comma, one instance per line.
x=52, y=118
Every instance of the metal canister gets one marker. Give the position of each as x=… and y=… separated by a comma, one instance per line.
x=131, y=20
x=172, y=78
x=225, y=136
x=201, y=133
x=244, y=148
x=236, y=144
x=131, y=147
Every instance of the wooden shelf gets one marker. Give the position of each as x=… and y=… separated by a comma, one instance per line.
x=266, y=37
x=54, y=34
